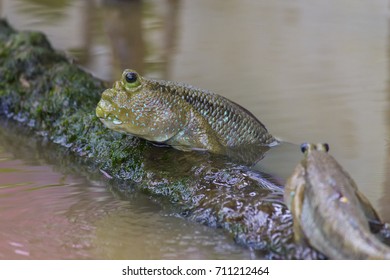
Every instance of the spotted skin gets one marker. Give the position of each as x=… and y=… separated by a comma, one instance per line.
x=178, y=114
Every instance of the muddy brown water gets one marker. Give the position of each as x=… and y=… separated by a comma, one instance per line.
x=310, y=71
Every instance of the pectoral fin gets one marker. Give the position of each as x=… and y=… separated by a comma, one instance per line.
x=370, y=213
x=296, y=210
x=196, y=135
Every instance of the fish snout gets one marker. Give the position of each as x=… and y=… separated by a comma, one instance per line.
x=105, y=108
x=100, y=113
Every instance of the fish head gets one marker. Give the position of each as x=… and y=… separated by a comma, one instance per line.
x=137, y=106
x=307, y=148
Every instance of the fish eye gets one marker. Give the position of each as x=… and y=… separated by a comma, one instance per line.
x=131, y=77
x=304, y=147
x=322, y=147
x=326, y=147
x=131, y=80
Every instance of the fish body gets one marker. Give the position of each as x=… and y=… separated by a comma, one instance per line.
x=329, y=212
x=183, y=116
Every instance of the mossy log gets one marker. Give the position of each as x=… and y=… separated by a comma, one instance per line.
x=42, y=90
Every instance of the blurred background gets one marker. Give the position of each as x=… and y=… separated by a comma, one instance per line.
x=314, y=71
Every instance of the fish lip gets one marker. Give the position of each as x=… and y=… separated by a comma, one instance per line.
x=108, y=118
x=113, y=120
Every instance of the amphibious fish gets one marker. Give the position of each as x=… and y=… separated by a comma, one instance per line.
x=180, y=115
x=329, y=212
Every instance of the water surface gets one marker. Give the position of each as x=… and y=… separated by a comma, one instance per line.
x=313, y=71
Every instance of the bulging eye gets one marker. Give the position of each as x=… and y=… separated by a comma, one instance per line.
x=326, y=147
x=322, y=147
x=131, y=77
x=304, y=147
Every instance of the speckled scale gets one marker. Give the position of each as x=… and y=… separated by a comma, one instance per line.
x=233, y=124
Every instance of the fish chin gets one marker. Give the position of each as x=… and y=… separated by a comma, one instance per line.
x=112, y=123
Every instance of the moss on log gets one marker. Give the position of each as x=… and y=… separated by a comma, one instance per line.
x=41, y=89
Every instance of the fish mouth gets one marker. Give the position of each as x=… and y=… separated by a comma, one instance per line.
x=107, y=117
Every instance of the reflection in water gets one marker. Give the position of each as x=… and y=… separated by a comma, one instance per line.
x=182, y=239
x=33, y=206
x=105, y=36
x=123, y=26
x=140, y=34
x=385, y=197
x=46, y=10
x=170, y=33
x=48, y=4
